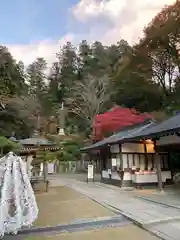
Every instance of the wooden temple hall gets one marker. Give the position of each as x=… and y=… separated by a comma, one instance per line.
x=138, y=155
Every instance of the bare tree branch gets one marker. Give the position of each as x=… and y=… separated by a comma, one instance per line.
x=89, y=97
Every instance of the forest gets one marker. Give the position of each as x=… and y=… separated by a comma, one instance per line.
x=91, y=78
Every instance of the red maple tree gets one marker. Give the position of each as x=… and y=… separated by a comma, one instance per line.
x=116, y=119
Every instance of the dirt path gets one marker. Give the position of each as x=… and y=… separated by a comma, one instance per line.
x=63, y=205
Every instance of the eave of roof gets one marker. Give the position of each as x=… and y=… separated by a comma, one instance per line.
x=36, y=141
x=119, y=137
x=167, y=127
x=33, y=149
x=148, y=130
x=130, y=135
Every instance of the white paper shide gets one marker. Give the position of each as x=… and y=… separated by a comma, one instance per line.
x=18, y=207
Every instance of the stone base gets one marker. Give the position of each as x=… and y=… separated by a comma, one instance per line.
x=130, y=184
x=127, y=184
x=115, y=182
x=40, y=185
x=146, y=185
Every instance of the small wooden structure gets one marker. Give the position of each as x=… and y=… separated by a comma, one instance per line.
x=35, y=168
x=29, y=151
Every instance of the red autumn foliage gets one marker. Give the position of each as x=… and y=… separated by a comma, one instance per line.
x=116, y=119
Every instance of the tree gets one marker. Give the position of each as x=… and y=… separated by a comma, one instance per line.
x=163, y=68
x=23, y=75
x=19, y=116
x=38, y=88
x=12, y=79
x=175, y=101
x=37, y=78
x=89, y=97
x=92, y=59
x=100, y=60
x=161, y=42
x=84, y=59
x=115, y=53
x=70, y=151
x=55, y=93
x=67, y=61
x=55, y=82
x=62, y=75
x=6, y=145
x=133, y=81
x=163, y=31
x=138, y=93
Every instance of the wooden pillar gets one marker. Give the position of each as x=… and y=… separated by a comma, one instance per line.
x=121, y=169
x=158, y=168
x=170, y=165
x=121, y=157
x=109, y=157
x=145, y=156
x=103, y=163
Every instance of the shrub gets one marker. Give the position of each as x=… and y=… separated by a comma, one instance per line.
x=70, y=151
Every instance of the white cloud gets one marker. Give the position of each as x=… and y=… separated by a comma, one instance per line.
x=107, y=20
x=127, y=17
x=47, y=49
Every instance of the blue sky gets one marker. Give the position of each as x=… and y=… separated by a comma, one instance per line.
x=37, y=28
x=25, y=21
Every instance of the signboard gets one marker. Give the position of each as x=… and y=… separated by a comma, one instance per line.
x=50, y=168
x=90, y=172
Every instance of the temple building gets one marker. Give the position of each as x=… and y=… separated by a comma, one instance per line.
x=30, y=148
x=139, y=154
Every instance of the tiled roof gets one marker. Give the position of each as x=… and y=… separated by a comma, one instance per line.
x=34, y=149
x=169, y=126
x=148, y=130
x=120, y=136
x=36, y=141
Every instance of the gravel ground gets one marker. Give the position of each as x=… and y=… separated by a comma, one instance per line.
x=64, y=205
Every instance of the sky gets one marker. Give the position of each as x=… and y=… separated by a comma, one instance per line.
x=37, y=28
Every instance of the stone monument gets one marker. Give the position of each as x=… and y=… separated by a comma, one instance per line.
x=61, y=118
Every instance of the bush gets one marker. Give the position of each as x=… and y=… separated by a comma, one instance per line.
x=6, y=145
x=70, y=151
